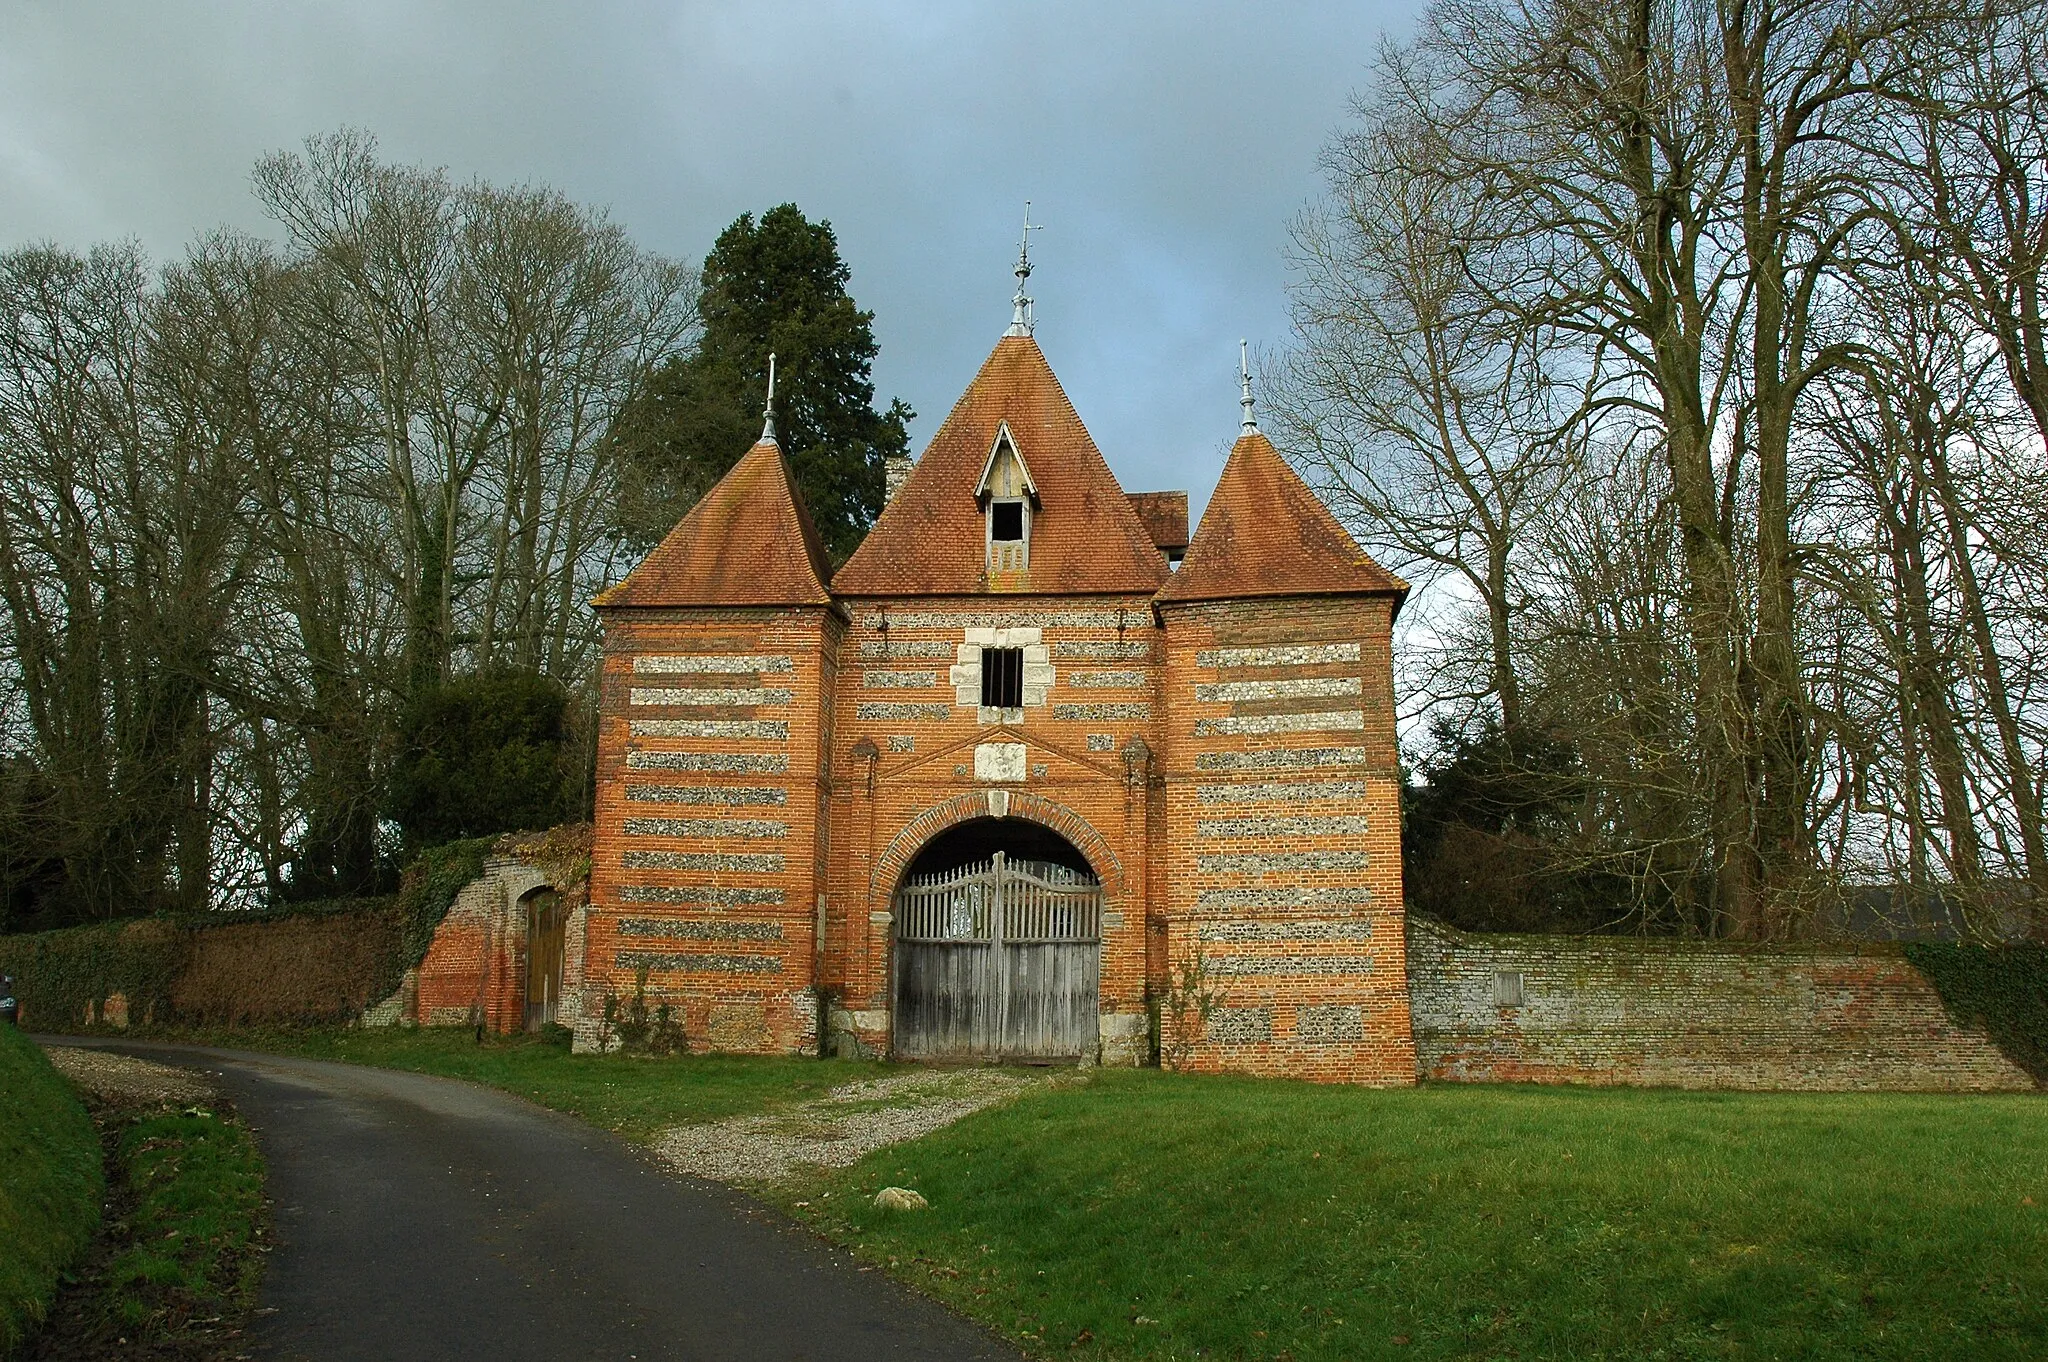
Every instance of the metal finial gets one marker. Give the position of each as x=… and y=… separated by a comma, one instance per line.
x=1244, y=370
x=1021, y=317
x=768, y=412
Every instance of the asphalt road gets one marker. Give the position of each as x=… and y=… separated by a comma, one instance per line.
x=427, y=1218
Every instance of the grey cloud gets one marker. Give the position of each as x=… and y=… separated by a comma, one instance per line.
x=1167, y=145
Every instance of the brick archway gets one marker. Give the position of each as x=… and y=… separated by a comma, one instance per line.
x=904, y=846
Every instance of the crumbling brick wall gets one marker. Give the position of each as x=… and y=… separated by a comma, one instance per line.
x=474, y=972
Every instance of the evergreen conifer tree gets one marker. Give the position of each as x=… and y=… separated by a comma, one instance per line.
x=776, y=285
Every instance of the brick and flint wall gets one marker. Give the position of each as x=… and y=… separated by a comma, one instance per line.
x=708, y=864
x=1688, y=1014
x=913, y=753
x=1277, y=861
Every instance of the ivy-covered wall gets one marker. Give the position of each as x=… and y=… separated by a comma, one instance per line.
x=2002, y=990
x=1691, y=1014
x=314, y=962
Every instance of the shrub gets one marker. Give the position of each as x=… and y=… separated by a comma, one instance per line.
x=482, y=755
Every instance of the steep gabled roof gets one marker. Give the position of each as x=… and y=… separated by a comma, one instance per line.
x=931, y=538
x=1266, y=534
x=748, y=542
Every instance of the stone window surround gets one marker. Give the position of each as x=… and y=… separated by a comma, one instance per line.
x=966, y=671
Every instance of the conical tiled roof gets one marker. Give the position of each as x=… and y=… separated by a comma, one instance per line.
x=931, y=539
x=1266, y=534
x=748, y=542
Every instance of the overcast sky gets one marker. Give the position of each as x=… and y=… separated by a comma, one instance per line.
x=1165, y=146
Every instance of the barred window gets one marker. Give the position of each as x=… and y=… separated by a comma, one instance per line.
x=1002, y=678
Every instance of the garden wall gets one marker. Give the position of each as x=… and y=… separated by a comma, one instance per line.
x=314, y=965
x=474, y=972
x=310, y=967
x=448, y=948
x=1688, y=1014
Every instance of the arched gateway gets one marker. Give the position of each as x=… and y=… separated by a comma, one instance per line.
x=998, y=951
x=991, y=785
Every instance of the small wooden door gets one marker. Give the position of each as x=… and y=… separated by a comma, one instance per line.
x=1000, y=959
x=547, y=920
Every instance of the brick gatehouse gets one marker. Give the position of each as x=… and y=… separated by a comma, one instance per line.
x=989, y=788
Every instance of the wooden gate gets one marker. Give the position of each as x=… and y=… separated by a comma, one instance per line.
x=1000, y=959
x=547, y=920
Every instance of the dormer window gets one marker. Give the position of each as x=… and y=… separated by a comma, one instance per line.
x=1008, y=497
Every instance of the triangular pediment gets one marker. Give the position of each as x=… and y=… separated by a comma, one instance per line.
x=1006, y=474
x=1061, y=761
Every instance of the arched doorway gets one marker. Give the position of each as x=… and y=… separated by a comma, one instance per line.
x=547, y=920
x=998, y=946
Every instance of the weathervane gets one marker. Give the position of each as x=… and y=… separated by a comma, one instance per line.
x=768, y=412
x=1244, y=370
x=1021, y=319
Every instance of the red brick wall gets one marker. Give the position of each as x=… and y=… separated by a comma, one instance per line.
x=1689, y=1014
x=707, y=851
x=896, y=690
x=475, y=967
x=1278, y=860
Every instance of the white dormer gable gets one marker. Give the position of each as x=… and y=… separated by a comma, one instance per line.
x=1004, y=473
x=1007, y=496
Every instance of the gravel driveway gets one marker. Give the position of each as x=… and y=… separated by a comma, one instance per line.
x=838, y=1129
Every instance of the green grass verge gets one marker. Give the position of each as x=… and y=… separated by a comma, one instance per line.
x=49, y=1184
x=1143, y=1215
x=635, y=1095
x=187, y=1243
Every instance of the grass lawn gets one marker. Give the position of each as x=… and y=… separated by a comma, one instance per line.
x=1136, y=1214
x=1143, y=1215
x=635, y=1095
x=50, y=1183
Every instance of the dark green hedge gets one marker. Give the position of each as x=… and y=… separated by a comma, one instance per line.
x=62, y=977
x=2003, y=989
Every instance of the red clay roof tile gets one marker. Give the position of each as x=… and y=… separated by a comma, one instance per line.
x=1164, y=515
x=931, y=539
x=748, y=542
x=1265, y=533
